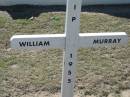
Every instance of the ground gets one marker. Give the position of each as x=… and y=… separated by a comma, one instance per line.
x=102, y=72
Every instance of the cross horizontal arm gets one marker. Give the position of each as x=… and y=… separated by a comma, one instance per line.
x=44, y=41
x=87, y=40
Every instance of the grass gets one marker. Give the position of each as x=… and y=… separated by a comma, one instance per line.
x=99, y=71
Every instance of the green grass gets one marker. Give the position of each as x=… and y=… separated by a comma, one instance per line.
x=99, y=71
x=2, y=21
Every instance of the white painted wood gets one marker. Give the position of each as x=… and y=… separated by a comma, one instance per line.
x=38, y=41
x=58, y=40
x=70, y=56
x=60, y=2
x=88, y=40
x=70, y=42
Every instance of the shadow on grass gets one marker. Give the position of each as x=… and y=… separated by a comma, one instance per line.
x=114, y=10
x=27, y=11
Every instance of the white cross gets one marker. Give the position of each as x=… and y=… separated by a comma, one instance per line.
x=70, y=42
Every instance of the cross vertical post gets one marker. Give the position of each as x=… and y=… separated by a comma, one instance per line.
x=72, y=27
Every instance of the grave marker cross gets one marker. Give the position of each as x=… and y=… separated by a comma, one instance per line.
x=70, y=42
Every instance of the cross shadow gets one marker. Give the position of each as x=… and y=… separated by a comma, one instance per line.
x=28, y=11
